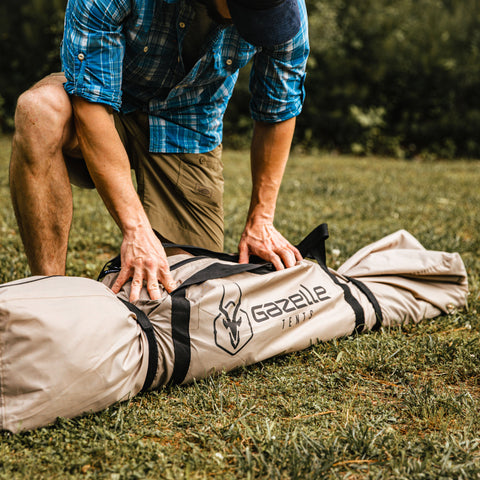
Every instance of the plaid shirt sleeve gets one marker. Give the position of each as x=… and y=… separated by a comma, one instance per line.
x=93, y=48
x=277, y=77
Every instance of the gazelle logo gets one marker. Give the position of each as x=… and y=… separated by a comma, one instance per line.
x=232, y=327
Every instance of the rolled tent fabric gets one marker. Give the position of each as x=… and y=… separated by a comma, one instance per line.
x=69, y=345
x=409, y=282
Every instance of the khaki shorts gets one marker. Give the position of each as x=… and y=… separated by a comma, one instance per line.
x=182, y=193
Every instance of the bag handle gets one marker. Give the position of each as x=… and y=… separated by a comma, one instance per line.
x=313, y=245
x=199, y=251
x=223, y=270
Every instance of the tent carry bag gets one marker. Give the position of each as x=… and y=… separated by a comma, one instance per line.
x=224, y=315
x=68, y=345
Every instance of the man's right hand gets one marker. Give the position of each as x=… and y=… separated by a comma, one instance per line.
x=144, y=260
x=142, y=254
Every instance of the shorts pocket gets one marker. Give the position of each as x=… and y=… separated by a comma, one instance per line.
x=201, y=179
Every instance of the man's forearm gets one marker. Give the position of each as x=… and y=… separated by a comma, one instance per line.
x=142, y=254
x=269, y=154
x=270, y=149
x=108, y=163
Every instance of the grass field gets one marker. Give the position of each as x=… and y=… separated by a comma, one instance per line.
x=402, y=403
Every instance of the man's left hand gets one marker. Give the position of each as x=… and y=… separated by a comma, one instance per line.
x=264, y=241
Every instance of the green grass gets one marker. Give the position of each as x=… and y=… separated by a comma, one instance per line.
x=402, y=403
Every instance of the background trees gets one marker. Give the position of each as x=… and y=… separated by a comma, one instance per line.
x=30, y=35
x=398, y=77
x=394, y=76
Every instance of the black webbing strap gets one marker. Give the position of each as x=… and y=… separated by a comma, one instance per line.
x=204, y=252
x=147, y=327
x=223, y=270
x=371, y=298
x=351, y=300
x=112, y=266
x=180, y=336
x=313, y=246
x=181, y=310
x=186, y=261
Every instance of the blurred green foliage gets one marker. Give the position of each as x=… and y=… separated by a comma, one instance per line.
x=399, y=77
x=30, y=35
x=396, y=77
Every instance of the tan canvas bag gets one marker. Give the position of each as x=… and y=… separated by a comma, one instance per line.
x=68, y=345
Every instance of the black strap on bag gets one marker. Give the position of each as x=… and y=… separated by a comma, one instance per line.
x=313, y=246
x=114, y=265
x=181, y=310
x=147, y=327
x=204, y=252
x=371, y=298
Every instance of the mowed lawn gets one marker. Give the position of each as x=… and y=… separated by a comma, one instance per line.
x=402, y=403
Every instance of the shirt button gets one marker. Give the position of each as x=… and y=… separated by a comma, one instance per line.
x=145, y=49
x=229, y=61
x=181, y=25
x=81, y=56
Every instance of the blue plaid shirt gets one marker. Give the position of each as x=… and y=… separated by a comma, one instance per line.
x=127, y=54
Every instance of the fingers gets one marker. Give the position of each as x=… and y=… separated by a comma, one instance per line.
x=122, y=278
x=136, y=286
x=290, y=256
x=149, y=273
x=167, y=281
x=276, y=261
x=137, y=282
x=296, y=252
x=153, y=275
x=243, y=256
x=266, y=242
x=285, y=257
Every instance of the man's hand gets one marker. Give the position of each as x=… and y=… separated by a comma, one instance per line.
x=142, y=254
x=263, y=240
x=143, y=260
x=270, y=147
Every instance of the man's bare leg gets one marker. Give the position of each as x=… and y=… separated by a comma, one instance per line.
x=39, y=182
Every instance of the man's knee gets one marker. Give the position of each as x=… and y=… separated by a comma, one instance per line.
x=43, y=126
x=45, y=108
x=43, y=116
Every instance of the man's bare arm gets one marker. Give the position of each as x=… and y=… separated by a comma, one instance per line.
x=142, y=254
x=269, y=154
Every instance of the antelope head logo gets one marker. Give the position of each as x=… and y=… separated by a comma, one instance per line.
x=232, y=327
x=232, y=317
